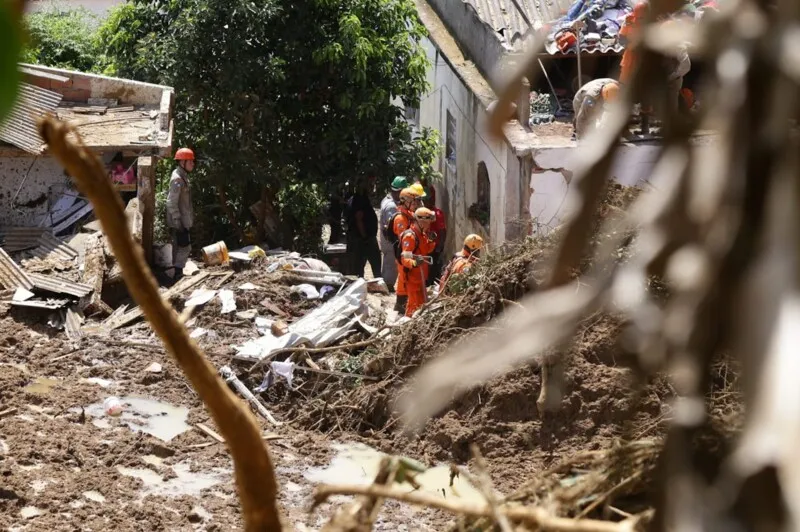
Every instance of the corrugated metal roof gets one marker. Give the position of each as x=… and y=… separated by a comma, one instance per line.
x=59, y=286
x=19, y=128
x=11, y=275
x=48, y=244
x=38, y=240
x=49, y=304
x=504, y=17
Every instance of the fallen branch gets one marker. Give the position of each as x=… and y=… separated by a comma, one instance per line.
x=533, y=516
x=254, y=472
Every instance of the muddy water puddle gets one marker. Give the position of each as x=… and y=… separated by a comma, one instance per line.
x=358, y=464
x=42, y=385
x=183, y=480
x=140, y=414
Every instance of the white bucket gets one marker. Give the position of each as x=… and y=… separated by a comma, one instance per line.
x=215, y=254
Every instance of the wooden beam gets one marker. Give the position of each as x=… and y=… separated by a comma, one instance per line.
x=146, y=192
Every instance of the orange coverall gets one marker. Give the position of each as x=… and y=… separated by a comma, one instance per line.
x=400, y=224
x=413, y=242
x=460, y=263
x=629, y=30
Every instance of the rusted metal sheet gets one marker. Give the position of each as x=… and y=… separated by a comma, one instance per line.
x=11, y=275
x=59, y=286
x=19, y=127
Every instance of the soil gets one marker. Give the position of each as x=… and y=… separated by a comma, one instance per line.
x=65, y=469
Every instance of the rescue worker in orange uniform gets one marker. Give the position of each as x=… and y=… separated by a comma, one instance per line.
x=409, y=202
x=628, y=33
x=463, y=260
x=416, y=244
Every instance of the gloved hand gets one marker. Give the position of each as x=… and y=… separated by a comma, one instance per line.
x=417, y=262
x=432, y=235
x=184, y=238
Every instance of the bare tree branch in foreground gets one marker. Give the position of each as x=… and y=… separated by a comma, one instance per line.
x=254, y=472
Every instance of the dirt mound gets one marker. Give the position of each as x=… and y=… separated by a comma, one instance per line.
x=501, y=417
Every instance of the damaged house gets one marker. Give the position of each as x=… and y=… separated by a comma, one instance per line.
x=43, y=217
x=515, y=186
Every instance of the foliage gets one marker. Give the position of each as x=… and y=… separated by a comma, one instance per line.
x=63, y=39
x=302, y=205
x=160, y=230
x=275, y=93
x=480, y=213
x=10, y=47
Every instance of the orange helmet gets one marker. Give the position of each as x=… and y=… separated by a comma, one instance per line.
x=184, y=154
x=424, y=214
x=610, y=92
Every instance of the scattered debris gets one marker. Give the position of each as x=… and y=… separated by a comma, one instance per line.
x=210, y=432
x=155, y=367
x=231, y=378
x=11, y=275
x=306, y=290
x=190, y=268
x=200, y=297
x=20, y=294
x=228, y=301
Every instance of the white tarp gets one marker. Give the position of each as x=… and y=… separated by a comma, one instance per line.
x=319, y=328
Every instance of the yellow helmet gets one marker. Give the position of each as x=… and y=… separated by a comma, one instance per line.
x=473, y=243
x=419, y=189
x=425, y=214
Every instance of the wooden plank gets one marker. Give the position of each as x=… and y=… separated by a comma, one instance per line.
x=210, y=432
x=146, y=192
x=94, y=271
x=8, y=412
x=184, y=284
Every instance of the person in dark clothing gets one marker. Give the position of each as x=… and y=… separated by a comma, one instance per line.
x=362, y=230
x=335, y=211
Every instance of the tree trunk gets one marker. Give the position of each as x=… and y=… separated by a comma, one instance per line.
x=223, y=200
x=262, y=214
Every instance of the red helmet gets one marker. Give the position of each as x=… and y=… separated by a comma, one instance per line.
x=184, y=154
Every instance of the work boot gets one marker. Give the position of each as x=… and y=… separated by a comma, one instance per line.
x=400, y=304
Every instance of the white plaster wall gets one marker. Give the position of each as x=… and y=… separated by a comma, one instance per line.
x=459, y=189
x=98, y=7
x=549, y=205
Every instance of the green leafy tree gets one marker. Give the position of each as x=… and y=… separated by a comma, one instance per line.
x=276, y=95
x=10, y=51
x=63, y=39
